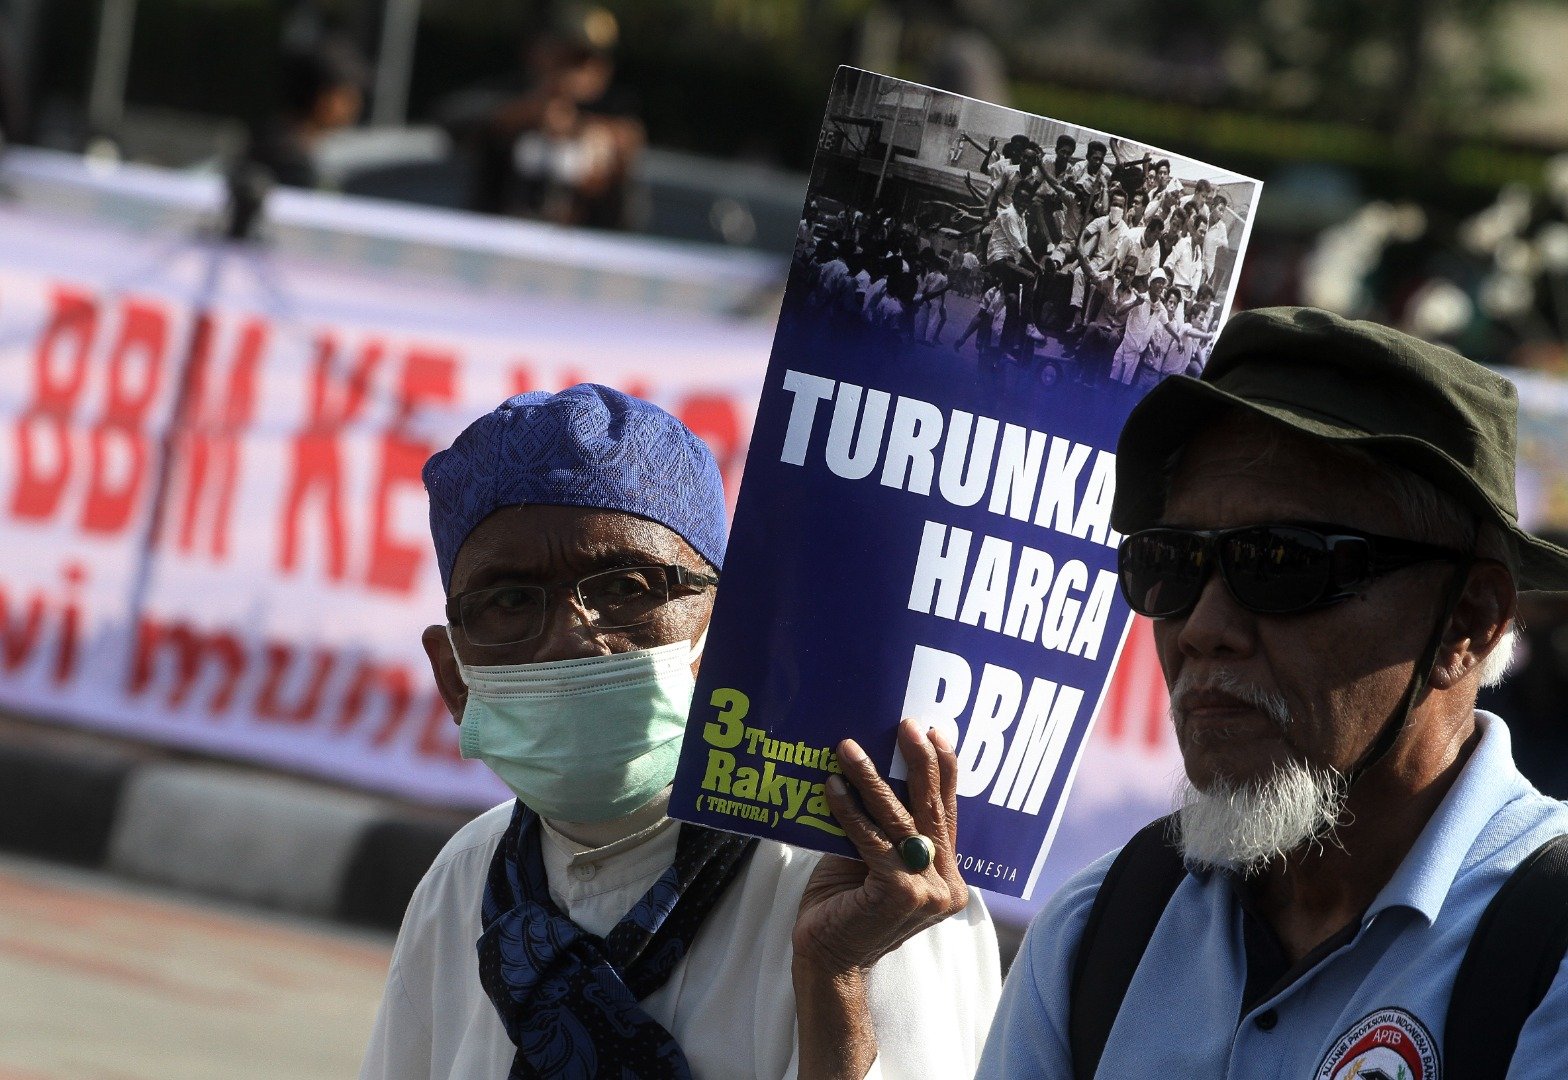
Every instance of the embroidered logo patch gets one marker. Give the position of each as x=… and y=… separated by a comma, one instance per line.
x=1389, y=1044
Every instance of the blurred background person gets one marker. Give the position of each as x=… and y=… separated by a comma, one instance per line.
x=321, y=91
x=13, y=101
x=562, y=145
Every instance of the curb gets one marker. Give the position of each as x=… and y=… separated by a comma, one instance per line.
x=223, y=831
x=230, y=832
x=59, y=807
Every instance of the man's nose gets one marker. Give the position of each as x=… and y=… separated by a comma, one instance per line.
x=1216, y=625
x=567, y=633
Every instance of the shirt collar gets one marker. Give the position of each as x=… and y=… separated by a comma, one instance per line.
x=1486, y=783
x=568, y=852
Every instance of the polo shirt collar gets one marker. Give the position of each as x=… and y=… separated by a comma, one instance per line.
x=1486, y=783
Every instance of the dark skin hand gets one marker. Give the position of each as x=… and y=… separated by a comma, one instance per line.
x=854, y=913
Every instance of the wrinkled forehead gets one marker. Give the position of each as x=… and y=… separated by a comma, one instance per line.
x=537, y=543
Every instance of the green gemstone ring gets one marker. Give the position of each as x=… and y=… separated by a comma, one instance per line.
x=917, y=852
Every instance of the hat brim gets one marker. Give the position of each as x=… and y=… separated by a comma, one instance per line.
x=1179, y=408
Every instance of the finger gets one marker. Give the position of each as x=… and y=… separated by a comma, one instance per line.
x=925, y=781
x=947, y=785
x=871, y=842
x=929, y=800
x=935, y=814
x=876, y=798
x=947, y=770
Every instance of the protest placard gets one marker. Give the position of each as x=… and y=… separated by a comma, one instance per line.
x=978, y=298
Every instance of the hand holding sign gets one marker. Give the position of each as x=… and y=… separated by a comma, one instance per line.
x=854, y=913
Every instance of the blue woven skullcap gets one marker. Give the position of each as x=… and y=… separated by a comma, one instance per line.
x=589, y=446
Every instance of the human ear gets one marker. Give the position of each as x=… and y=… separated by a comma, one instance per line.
x=1486, y=609
x=443, y=665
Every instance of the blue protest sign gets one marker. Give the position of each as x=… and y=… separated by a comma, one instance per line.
x=977, y=300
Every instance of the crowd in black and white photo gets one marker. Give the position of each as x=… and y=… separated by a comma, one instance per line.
x=1095, y=260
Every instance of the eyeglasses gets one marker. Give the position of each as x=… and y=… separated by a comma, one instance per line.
x=610, y=600
x=1269, y=569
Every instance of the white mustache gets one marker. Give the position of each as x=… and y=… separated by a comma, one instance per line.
x=1226, y=682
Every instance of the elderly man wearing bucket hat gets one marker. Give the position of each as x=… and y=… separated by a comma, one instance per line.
x=1358, y=881
x=578, y=932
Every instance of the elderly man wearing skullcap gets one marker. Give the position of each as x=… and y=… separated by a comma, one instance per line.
x=579, y=932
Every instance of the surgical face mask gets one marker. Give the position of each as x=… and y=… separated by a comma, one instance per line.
x=590, y=739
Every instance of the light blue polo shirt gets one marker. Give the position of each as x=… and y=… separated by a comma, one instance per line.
x=1374, y=999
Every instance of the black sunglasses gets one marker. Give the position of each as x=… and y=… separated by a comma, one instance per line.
x=1269, y=569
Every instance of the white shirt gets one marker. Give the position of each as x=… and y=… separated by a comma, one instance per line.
x=1141, y=321
x=873, y=297
x=994, y=304
x=833, y=277
x=1095, y=181
x=1179, y=348
x=1185, y=264
x=889, y=314
x=1217, y=237
x=730, y=1003
x=930, y=283
x=1172, y=350
x=1132, y=244
x=1100, y=241
x=1009, y=236
x=1004, y=176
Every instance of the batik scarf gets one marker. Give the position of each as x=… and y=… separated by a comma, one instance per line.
x=569, y=999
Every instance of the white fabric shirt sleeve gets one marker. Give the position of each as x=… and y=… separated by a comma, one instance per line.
x=433, y=1000
x=400, y=1042
x=933, y=1000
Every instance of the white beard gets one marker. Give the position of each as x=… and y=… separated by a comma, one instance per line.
x=1245, y=828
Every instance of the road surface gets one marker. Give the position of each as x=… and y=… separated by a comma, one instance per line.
x=104, y=980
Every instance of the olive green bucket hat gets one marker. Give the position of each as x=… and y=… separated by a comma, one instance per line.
x=1358, y=384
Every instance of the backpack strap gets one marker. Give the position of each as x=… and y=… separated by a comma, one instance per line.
x=1126, y=909
x=1512, y=959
